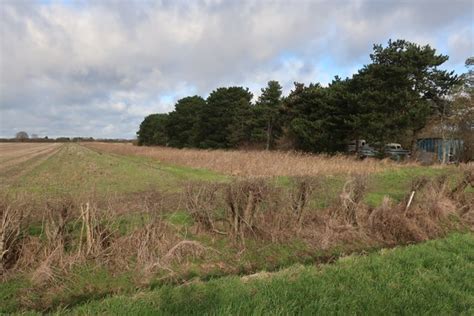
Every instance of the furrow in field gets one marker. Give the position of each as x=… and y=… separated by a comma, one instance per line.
x=15, y=156
x=24, y=163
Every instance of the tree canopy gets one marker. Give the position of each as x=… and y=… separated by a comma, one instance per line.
x=400, y=89
x=22, y=135
x=153, y=130
x=224, y=119
x=183, y=122
x=267, y=113
x=390, y=98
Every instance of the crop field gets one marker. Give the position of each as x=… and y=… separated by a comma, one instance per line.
x=94, y=228
x=16, y=158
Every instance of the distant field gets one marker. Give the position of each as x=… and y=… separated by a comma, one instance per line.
x=19, y=158
x=94, y=220
x=101, y=168
x=13, y=153
x=75, y=169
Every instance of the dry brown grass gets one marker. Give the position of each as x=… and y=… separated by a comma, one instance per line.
x=82, y=231
x=253, y=210
x=253, y=163
x=13, y=221
x=238, y=211
x=74, y=233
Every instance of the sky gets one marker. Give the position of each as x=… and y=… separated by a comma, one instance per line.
x=97, y=68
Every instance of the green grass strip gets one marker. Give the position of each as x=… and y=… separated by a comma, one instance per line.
x=434, y=278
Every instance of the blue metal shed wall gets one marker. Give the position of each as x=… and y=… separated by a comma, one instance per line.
x=427, y=144
x=435, y=145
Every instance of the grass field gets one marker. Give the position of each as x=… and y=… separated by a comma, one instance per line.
x=84, y=222
x=74, y=169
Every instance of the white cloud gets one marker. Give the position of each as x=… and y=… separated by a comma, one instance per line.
x=461, y=45
x=83, y=68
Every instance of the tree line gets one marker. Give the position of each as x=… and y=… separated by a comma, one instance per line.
x=390, y=99
x=23, y=136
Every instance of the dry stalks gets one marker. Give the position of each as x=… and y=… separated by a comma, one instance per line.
x=200, y=202
x=142, y=250
x=243, y=208
x=255, y=209
x=13, y=222
x=465, y=204
x=300, y=196
x=57, y=214
x=350, y=205
x=186, y=249
x=428, y=217
x=243, y=199
x=76, y=232
x=253, y=163
x=389, y=224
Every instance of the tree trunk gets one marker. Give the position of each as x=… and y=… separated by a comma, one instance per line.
x=414, y=140
x=269, y=135
x=443, y=136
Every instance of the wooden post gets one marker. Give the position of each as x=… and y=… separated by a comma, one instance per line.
x=410, y=200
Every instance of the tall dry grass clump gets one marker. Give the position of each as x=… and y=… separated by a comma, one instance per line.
x=251, y=208
x=72, y=232
x=429, y=210
x=255, y=209
x=13, y=222
x=253, y=163
x=201, y=200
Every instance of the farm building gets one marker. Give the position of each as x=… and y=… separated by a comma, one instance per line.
x=438, y=149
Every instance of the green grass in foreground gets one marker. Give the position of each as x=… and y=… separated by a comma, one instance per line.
x=430, y=278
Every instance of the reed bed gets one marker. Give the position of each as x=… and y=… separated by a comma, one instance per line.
x=254, y=162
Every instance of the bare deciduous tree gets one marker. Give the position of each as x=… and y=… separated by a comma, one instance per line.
x=21, y=135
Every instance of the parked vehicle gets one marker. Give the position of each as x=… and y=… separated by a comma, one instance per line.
x=352, y=145
x=396, y=152
x=368, y=152
x=363, y=149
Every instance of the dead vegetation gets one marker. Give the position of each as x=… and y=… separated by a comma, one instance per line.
x=252, y=163
x=13, y=221
x=78, y=231
x=255, y=209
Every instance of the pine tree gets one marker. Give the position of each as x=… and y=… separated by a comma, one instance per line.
x=267, y=118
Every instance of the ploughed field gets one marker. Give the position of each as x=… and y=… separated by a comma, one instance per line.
x=115, y=228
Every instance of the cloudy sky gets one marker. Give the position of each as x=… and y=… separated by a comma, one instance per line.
x=94, y=68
